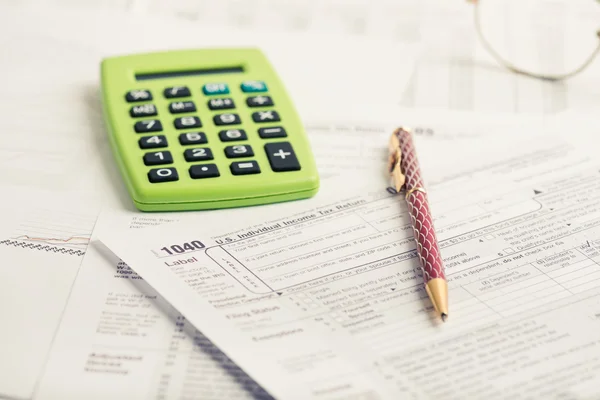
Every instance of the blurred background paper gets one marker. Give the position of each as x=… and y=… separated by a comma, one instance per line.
x=453, y=71
x=315, y=68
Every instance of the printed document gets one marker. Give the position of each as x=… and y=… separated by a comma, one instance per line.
x=326, y=301
x=101, y=326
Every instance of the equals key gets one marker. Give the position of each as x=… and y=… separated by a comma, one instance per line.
x=244, y=168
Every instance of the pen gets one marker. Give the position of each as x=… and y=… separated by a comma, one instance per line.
x=405, y=172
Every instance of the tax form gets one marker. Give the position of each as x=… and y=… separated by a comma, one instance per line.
x=326, y=301
x=122, y=341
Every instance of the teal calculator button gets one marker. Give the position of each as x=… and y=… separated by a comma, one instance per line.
x=215, y=88
x=254, y=86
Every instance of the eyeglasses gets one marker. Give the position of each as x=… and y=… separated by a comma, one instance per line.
x=540, y=16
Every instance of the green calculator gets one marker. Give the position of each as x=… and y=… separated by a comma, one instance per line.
x=205, y=129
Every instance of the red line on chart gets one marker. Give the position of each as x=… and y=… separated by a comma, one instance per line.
x=42, y=239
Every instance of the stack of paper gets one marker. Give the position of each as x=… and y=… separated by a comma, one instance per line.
x=324, y=299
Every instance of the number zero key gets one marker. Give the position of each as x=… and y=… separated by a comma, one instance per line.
x=158, y=175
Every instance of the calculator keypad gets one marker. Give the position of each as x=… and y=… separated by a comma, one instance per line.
x=221, y=104
x=187, y=122
x=281, y=156
x=199, y=154
x=153, y=142
x=253, y=86
x=145, y=110
x=273, y=132
x=179, y=107
x=192, y=138
x=227, y=119
x=158, y=158
x=138, y=95
x=244, y=168
x=266, y=116
x=232, y=135
x=239, y=151
x=204, y=171
x=158, y=175
x=149, y=125
x=215, y=88
x=259, y=101
x=176, y=92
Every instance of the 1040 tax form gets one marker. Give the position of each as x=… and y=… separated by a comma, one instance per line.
x=323, y=299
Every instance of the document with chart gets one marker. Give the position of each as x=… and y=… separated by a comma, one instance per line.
x=326, y=301
x=42, y=244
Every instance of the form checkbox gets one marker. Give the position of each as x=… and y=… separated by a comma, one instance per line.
x=508, y=250
x=490, y=236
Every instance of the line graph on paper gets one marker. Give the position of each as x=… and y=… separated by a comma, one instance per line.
x=65, y=232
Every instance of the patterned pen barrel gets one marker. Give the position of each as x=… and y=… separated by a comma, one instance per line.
x=406, y=173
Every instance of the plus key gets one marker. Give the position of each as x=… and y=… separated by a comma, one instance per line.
x=259, y=101
x=282, y=157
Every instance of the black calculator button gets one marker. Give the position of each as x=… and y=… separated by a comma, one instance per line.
x=227, y=119
x=176, y=91
x=153, y=142
x=231, y=135
x=138, y=95
x=193, y=138
x=265, y=116
x=187, y=122
x=204, y=171
x=221, y=104
x=259, y=101
x=244, y=168
x=149, y=125
x=158, y=175
x=274, y=132
x=182, y=107
x=238, y=151
x=200, y=154
x=158, y=158
x=282, y=157
x=144, y=110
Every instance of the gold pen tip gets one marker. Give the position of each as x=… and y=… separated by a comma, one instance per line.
x=444, y=317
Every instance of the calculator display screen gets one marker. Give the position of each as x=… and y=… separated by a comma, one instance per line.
x=172, y=74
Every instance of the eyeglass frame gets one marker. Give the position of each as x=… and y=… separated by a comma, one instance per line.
x=510, y=66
